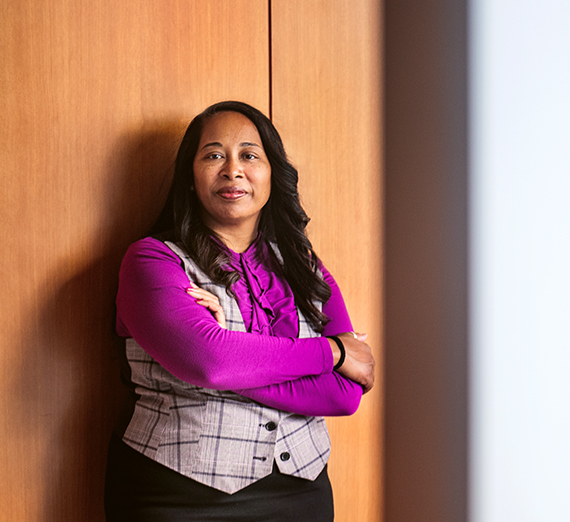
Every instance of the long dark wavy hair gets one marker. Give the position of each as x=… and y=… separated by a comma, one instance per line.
x=283, y=220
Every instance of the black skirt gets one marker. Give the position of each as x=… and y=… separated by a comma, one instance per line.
x=138, y=489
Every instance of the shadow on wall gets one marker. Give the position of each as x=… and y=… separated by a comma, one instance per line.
x=73, y=332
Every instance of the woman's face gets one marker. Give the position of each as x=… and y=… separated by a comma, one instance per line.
x=232, y=175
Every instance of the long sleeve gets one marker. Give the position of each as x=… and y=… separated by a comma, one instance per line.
x=327, y=394
x=154, y=309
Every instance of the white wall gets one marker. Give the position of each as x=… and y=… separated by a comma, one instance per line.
x=520, y=261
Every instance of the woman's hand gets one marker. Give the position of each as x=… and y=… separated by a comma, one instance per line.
x=359, y=364
x=209, y=301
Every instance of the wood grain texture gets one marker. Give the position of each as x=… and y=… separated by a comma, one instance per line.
x=326, y=73
x=94, y=98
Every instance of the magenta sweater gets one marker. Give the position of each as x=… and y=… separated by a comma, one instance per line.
x=268, y=364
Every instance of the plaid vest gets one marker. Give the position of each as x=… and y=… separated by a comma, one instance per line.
x=217, y=437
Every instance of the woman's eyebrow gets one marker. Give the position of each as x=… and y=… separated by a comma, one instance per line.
x=243, y=144
x=213, y=144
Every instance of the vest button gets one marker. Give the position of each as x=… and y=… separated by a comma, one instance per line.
x=284, y=456
x=271, y=426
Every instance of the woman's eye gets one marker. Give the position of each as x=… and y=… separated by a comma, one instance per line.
x=214, y=156
x=249, y=156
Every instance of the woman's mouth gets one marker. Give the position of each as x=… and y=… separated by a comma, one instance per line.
x=231, y=193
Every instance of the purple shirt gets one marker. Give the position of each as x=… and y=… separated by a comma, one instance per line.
x=264, y=298
x=268, y=363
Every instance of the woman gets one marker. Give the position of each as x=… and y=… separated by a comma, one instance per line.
x=226, y=312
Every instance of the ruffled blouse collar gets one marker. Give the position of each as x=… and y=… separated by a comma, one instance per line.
x=263, y=295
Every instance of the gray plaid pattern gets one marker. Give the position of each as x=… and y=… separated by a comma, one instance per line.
x=217, y=437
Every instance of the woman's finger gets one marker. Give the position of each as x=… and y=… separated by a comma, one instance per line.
x=216, y=309
x=360, y=336
x=208, y=301
x=204, y=294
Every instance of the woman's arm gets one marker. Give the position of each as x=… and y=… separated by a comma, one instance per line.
x=154, y=308
x=328, y=394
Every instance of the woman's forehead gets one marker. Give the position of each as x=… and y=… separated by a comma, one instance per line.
x=228, y=127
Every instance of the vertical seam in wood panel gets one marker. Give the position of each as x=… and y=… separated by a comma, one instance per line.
x=270, y=35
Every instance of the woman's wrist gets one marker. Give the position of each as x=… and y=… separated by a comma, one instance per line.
x=335, y=351
x=339, y=352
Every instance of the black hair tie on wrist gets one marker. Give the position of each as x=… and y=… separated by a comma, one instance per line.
x=342, y=351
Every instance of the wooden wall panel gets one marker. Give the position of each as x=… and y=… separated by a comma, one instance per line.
x=326, y=103
x=94, y=97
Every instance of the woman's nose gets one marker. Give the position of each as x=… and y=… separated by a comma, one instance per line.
x=233, y=168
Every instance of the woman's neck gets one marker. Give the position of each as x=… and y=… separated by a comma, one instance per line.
x=236, y=236
x=236, y=240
